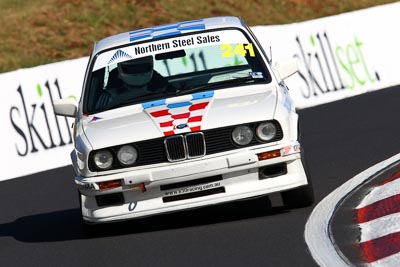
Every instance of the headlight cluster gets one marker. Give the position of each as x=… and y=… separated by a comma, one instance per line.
x=242, y=135
x=266, y=131
x=126, y=156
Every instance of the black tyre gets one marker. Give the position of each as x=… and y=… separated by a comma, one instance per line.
x=299, y=197
x=302, y=196
x=87, y=229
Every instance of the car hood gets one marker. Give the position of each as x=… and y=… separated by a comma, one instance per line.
x=182, y=114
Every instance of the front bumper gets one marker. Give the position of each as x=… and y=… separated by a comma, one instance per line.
x=234, y=175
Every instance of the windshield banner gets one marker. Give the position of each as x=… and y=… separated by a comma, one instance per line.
x=169, y=45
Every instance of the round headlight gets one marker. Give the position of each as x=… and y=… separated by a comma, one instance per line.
x=266, y=131
x=127, y=155
x=242, y=135
x=103, y=159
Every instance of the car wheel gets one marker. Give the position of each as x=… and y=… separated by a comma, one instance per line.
x=302, y=196
x=87, y=229
x=299, y=197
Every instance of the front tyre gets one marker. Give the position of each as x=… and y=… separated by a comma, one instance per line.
x=299, y=197
x=87, y=229
x=302, y=196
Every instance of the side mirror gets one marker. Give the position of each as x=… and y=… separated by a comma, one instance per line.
x=66, y=107
x=286, y=68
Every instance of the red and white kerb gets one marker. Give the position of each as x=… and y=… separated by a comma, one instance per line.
x=378, y=217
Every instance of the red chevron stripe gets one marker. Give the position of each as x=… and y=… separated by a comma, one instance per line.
x=379, y=209
x=195, y=129
x=160, y=113
x=169, y=133
x=195, y=119
x=167, y=124
x=181, y=116
x=380, y=248
x=198, y=106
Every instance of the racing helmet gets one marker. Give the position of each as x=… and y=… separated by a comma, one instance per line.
x=136, y=72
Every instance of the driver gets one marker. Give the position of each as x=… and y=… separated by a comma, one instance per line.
x=139, y=74
x=131, y=79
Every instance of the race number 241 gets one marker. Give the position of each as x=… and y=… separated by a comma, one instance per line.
x=239, y=49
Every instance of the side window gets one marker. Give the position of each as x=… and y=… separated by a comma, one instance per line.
x=96, y=87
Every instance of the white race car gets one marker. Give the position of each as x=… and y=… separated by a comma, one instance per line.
x=181, y=116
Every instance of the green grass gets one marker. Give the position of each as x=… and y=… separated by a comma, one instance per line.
x=43, y=31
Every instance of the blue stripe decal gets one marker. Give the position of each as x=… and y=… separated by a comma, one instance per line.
x=155, y=103
x=179, y=105
x=168, y=30
x=148, y=30
x=140, y=34
x=191, y=23
x=166, y=27
x=192, y=27
x=135, y=38
x=202, y=95
x=166, y=34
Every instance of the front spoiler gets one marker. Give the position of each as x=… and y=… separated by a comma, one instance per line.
x=240, y=180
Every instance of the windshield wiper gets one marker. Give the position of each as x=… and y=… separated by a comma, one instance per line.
x=238, y=81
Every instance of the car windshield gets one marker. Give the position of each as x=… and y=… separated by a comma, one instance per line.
x=165, y=68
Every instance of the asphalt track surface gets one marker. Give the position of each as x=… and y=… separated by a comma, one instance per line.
x=40, y=218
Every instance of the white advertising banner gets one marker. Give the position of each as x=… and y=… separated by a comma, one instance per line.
x=339, y=57
x=33, y=139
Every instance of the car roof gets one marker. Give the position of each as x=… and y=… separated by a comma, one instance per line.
x=174, y=29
